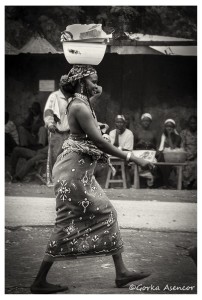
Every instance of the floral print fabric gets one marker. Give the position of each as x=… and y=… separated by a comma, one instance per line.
x=86, y=222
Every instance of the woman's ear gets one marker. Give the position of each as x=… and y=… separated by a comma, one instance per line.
x=73, y=83
x=82, y=81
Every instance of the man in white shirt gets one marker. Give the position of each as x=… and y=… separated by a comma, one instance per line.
x=55, y=119
x=122, y=137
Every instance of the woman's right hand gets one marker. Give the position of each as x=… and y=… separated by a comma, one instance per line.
x=52, y=128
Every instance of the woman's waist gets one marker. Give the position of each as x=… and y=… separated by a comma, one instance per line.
x=82, y=144
x=78, y=137
x=77, y=164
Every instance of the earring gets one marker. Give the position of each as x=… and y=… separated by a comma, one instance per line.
x=81, y=88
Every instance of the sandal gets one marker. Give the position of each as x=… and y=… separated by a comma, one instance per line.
x=48, y=290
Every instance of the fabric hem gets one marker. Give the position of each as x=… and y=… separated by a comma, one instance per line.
x=49, y=257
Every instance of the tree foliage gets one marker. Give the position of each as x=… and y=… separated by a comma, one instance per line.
x=22, y=22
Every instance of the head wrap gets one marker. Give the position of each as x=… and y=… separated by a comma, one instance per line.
x=146, y=115
x=163, y=137
x=170, y=121
x=121, y=117
x=77, y=72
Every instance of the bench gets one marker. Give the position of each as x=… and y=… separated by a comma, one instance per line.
x=110, y=178
x=178, y=165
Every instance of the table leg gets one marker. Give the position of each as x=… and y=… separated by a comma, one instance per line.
x=123, y=175
x=136, y=177
x=108, y=178
x=179, y=183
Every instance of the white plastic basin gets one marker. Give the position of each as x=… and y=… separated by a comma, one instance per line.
x=84, y=53
x=178, y=156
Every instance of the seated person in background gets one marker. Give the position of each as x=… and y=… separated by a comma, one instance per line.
x=189, y=143
x=145, y=139
x=11, y=135
x=172, y=140
x=122, y=138
x=32, y=133
x=127, y=118
x=32, y=157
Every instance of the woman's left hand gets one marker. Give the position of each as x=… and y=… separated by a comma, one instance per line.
x=98, y=90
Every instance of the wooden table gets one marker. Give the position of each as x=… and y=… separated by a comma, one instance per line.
x=178, y=165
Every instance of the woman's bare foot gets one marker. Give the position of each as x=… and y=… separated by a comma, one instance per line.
x=46, y=288
x=129, y=276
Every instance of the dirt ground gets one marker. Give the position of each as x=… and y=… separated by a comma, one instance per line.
x=152, y=251
x=155, y=252
x=34, y=189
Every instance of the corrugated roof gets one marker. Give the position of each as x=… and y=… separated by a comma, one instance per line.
x=177, y=50
x=149, y=37
x=10, y=50
x=138, y=43
x=38, y=45
x=126, y=50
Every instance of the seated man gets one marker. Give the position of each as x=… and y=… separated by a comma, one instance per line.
x=32, y=132
x=122, y=138
x=32, y=157
x=11, y=135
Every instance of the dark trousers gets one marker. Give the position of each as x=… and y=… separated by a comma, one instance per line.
x=164, y=171
x=31, y=156
x=10, y=144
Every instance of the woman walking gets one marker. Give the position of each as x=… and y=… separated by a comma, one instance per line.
x=86, y=222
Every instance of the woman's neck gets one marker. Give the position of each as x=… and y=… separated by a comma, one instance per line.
x=81, y=96
x=67, y=95
x=82, y=91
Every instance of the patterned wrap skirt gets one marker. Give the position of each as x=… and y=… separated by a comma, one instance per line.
x=86, y=222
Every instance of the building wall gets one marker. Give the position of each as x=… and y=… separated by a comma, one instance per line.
x=164, y=86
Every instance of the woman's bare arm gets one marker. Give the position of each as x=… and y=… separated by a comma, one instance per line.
x=84, y=118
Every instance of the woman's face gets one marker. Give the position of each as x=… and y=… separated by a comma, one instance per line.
x=91, y=84
x=169, y=127
x=146, y=122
